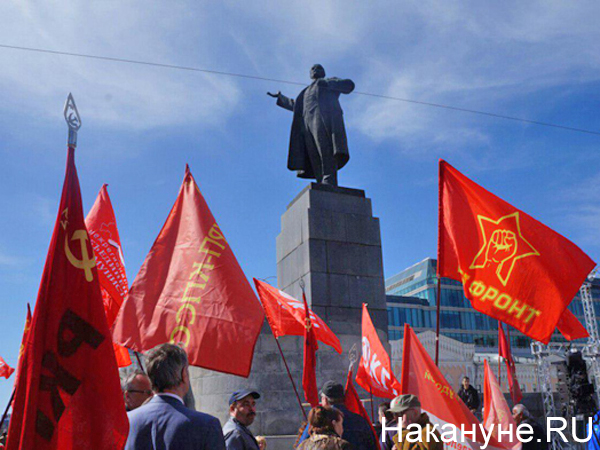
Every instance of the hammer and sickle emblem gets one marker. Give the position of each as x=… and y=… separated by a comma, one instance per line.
x=86, y=263
x=308, y=324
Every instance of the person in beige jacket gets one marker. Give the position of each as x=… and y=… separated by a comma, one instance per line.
x=407, y=408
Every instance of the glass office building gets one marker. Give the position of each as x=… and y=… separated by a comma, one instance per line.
x=411, y=298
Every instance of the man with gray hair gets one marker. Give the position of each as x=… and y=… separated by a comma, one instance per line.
x=136, y=389
x=522, y=416
x=164, y=422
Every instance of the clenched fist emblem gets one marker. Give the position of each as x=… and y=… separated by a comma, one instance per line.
x=501, y=247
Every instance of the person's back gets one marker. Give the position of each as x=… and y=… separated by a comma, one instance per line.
x=325, y=442
x=165, y=423
x=357, y=430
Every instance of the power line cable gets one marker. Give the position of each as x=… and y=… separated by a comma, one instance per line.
x=295, y=83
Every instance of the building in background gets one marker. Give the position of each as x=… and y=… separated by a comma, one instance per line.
x=411, y=298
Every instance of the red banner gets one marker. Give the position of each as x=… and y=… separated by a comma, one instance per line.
x=286, y=316
x=5, y=370
x=353, y=403
x=68, y=392
x=192, y=291
x=25, y=331
x=512, y=267
x=570, y=327
x=421, y=377
x=505, y=352
x=309, y=372
x=374, y=372
x=497, y=413
x=102, y=226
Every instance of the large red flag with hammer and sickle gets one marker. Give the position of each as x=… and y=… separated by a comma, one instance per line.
x=374, y=371
x=68, y=393
x=102, y=226
x=192, y=291
x=286, y=316
x=512, y=267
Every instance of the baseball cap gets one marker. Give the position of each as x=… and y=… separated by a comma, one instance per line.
x=404, y=402
x=331, y=389
x=238, y=395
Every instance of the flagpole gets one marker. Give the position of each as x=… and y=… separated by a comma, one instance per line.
x=12, y=397
x=137, y=356
x=372, y=408
x=437, y=315
x=290, y=376
x=500, y=330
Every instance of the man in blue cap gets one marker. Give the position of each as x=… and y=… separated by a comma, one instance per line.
x=242, y=411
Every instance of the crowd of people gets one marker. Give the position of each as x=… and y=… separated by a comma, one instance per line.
x=159, y=417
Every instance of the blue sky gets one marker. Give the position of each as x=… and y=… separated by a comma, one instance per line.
x=141, y=124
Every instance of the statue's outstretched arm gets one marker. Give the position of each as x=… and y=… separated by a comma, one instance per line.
x=344, y=86
x=283, y=101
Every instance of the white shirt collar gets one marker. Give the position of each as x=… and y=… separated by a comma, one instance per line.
x=171, y=395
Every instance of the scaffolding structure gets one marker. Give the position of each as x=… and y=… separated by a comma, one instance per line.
x=591, y=352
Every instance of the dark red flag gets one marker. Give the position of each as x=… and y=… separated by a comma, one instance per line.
x=505, y=352
x=102, y=226
x=286, y=316
x=353, y=403
x=374, y=372
x=309, y=373
x=192, y=291
x=68, y=393
x=512, y=267
x=5, y=370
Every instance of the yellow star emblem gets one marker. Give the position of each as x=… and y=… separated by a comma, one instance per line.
x=503, y=245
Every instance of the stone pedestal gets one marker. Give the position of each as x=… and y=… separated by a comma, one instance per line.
x=330, y=239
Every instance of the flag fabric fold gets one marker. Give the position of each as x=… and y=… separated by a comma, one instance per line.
x=104, y=235
x=374, y=373
x=497, y=413
x=286, y=316
x=512, y=267
x=570, y=326
x=191, y=291
x=505, y=352
x=68, y=392
x=5, y=370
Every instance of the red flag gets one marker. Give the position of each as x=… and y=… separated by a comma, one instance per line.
x=512, y=267
x=421, y=377
x=191, y=290
x=5, y=370
x=505, y=352
x=286, y=316
x=570, y=327
x=25, y=331
x=497, y=413
x=68, y=393
x=102, y=226
x=353, y=403
x=374, y=372
x=309, y=375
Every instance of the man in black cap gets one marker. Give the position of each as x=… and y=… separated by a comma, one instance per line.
x=242, y=411
x=357, y=430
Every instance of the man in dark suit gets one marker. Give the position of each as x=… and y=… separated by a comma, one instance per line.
x=164, y=422
x=318, y=142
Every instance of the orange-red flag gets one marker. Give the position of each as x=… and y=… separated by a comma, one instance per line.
x=421, y=377
x=68, y=393
x=25, y=331
x=374, y=372
x=497, y=414
x=5, y=370
x=309, y=372
x=102, y=226
x=286, y=316
x=512, y=267
x=191, y=290
x=505, y=352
